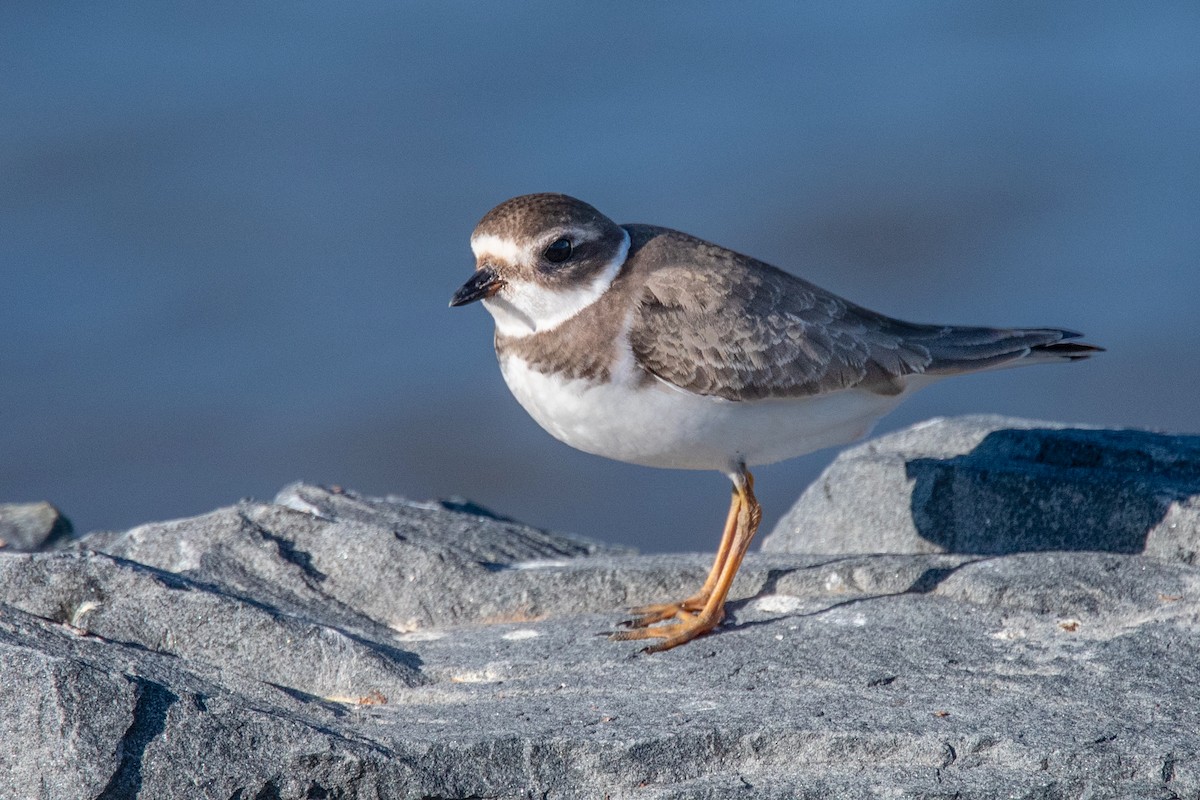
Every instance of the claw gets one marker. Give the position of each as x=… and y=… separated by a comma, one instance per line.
x=684, y=628
x=661, y=612
x=703, y=611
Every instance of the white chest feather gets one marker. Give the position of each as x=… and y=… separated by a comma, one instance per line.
x=661, y=426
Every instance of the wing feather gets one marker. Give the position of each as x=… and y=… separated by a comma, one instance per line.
x=717, y=323
x=746, y=334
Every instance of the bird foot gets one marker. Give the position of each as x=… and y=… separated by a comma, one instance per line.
x=645, y=616
x=683, y=627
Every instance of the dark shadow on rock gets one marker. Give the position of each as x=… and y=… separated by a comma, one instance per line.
x=1044, y=489
x=334, y=707
x=771, y=583
x=926, y=582
x=465, y=506
x=771, y=586
x=149, y=719
x=932, y=578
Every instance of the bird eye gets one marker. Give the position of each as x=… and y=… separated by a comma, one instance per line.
x=558, y=251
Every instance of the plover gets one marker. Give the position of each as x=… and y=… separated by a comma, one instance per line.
x=650, y=346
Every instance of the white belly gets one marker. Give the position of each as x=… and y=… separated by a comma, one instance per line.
x=659, y=425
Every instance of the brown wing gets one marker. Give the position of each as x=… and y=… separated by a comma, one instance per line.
x=743, y=330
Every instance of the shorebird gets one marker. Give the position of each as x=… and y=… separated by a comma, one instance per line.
x=650, y=346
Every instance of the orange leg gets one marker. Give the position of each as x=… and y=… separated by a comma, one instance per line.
x=657, y=612
x=685, y=623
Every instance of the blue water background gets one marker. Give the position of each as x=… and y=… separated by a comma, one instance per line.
x=229, y=231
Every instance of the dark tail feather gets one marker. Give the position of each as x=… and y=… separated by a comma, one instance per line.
x=957, y=350
x=1071, y=351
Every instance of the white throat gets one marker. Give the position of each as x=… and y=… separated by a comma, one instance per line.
x=523, y=308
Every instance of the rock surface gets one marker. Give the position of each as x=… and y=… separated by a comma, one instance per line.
x=331, y=645
x=30, y=526
x=991, y=485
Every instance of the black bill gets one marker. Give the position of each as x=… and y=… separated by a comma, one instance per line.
x=484, y=283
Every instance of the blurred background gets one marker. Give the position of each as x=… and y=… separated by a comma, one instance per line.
x=229, y=232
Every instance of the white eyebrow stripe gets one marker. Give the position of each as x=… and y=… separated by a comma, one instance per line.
x=489, y=244
x=578, y=235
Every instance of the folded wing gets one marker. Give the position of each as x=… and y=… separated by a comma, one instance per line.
x=747, y=331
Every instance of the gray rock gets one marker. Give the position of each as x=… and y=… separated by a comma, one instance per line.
x=993, y=485
x=88, y=717
x=97, y=594
x=473, y=668
x=32, y=526
x=340, y=556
